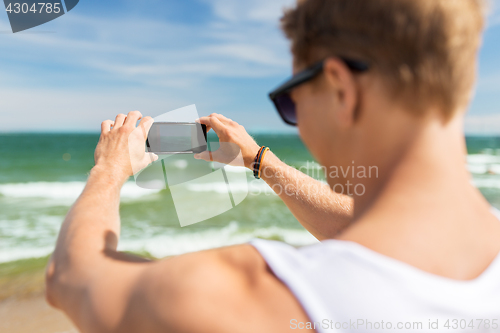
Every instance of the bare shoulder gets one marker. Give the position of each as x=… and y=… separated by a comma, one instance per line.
x=224, y=290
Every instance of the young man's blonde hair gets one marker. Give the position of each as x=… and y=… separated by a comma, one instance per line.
x=426, y=50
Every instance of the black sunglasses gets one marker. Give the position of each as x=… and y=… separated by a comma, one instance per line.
x=281, y=96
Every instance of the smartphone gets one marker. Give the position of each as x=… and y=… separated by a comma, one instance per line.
x=177, y=138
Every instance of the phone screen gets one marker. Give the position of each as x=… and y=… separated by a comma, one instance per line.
x=177, y=138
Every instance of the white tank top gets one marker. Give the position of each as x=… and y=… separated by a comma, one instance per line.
x=346, y=287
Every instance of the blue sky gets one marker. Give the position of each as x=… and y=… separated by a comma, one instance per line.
x=107, y=57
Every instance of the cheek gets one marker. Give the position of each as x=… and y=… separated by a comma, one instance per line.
x=305, y=120
x=315, y=127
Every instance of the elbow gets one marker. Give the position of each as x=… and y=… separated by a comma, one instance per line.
x=53, y=283
x=50, y=284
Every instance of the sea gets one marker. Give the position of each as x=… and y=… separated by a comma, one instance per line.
x=41, y=175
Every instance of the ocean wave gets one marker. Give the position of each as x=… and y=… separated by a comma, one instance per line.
x=254, y=187
x=19, y=253
x=483, y=164
x=487, y=183
x=65, y=191
x=185, y=242
x=476, y=164
x=481, y=169
x=34, y=229
x=176, y=242
x=482, y=159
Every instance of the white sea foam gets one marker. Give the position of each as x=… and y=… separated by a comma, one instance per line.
x=17, y=253
x=27, y=239
x=66, y=191
x=184, y=242
x=69, y=191
x=23, y=238
x=482, y=159
x=175, y=242
x=483, y=163
x=254, y=187
x=476, y=164
x=42, y=228
x=490, y=182
x=481, y=169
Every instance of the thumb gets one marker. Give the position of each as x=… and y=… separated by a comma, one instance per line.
x=150, y=158
x=153, y=157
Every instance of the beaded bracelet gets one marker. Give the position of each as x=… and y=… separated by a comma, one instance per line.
x=258, y=161
x=262, y=159
x=255, y=164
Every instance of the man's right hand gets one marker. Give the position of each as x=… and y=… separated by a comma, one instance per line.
x=120, y=151
x=231, y=135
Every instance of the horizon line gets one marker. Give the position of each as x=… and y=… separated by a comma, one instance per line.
x=251, y=132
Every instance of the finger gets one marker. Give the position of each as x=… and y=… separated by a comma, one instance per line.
x=205, y=155
x=212, y=156
x=120, y=119
x=222, y=118
x=145, y=126
x=217, y=126
x=205, y=121
x=106, y=126
x=133, y=117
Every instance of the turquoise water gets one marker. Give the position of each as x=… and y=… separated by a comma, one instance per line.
x=42, y=174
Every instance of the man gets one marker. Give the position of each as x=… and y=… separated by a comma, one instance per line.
x=380, y=83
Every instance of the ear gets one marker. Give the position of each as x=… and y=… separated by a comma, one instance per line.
x=342, y=85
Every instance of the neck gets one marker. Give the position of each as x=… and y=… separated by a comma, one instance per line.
x=423, y=210
x=428, y=161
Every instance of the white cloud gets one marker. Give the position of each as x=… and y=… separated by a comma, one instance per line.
x=92, y=67
x=255, y=10
x=489, y=83
x=246, y=52
x=67, y=110
x=494, y=15
x=143, y=50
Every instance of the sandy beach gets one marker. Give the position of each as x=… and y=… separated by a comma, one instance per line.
x=32, y=315
x=23, y=308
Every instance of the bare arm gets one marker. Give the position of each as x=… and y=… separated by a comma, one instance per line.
x=89, y=235
x=320, y=210
x=103, y=290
